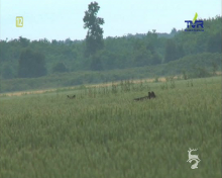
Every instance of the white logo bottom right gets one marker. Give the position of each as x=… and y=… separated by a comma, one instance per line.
x=193, y=158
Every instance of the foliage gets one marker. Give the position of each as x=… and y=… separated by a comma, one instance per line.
x=88, y=77
x=170, y=51
x=156, y=79
x=138, y=56
x=214, y=43
x=59, y=67
x=8, y=72
x=185, y=77
x=96, y=63
x=94, y=37
x=200, y=72
x=215, y=67
x=31, y=64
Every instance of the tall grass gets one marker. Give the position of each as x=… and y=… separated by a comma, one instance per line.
x=104, y=133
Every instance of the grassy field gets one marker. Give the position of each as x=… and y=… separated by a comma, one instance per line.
x=104, y=133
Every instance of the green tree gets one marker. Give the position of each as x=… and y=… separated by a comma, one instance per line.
x=170, y=51
x=31, y=64
x=96, y=63
x=94, y=37
x=215, y=68
x=7, y=72
x=214, y=43
x=152, y=38
x=142, y=57
x=173, y=31
x=156, y=59
x=180, y=51
x=59, y=67
x=108, y=58
x=24, y=42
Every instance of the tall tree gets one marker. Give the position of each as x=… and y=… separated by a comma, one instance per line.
x=31, y=64
x=94, y=37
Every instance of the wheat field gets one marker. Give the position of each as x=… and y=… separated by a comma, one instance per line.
x=104, y=133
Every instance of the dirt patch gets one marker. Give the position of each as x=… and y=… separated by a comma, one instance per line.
x=162, y=79
x=27, y=92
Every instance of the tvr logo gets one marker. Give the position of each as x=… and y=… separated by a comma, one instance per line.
x=195, y=24
x=193, y=158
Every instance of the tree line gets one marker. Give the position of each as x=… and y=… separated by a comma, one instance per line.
x=23, y=58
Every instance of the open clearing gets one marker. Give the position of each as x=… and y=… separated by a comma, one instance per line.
x=104, y=133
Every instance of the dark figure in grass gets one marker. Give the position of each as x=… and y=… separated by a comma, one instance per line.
x=71, y=97
x=150, y=96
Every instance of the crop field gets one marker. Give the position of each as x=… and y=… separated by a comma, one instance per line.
x=104, y=133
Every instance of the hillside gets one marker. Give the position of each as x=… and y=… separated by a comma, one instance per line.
x=199, y=65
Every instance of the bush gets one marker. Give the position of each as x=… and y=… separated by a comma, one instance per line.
x=59, y=67
x=184, y=75
x=200, y=72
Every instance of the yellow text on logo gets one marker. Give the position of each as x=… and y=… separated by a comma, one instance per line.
x=19, y=21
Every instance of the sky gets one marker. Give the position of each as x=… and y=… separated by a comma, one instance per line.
x=57, y=19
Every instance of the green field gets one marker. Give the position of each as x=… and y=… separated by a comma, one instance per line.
x=104, y=133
